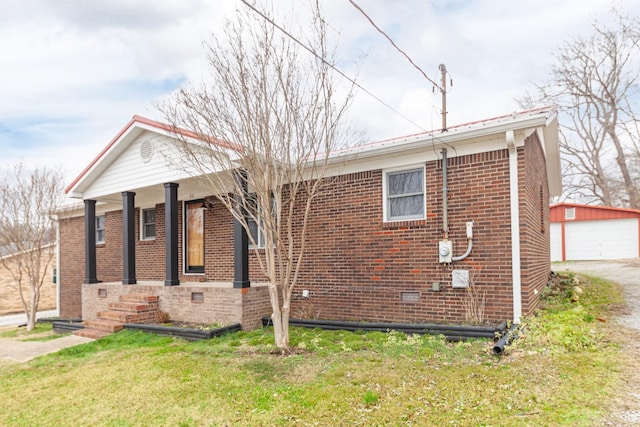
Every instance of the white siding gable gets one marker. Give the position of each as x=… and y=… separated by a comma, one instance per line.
x=149, y=160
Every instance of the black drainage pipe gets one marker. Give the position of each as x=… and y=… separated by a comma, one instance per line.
x=506, y=339
x=186, y=333
x=451, y=332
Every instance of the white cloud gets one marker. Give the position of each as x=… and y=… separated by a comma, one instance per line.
x=74, y=72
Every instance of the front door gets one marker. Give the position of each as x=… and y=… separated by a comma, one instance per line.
x=194, y=245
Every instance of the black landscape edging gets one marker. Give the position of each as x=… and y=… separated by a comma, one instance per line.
x=57, y=319
x=186, y=333
x=67, y=325
x=451, y=332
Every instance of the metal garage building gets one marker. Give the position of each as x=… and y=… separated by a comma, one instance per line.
x=582, y=232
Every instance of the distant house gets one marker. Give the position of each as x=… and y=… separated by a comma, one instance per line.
x=377, y=251
x=10, y=301
x=582, y=232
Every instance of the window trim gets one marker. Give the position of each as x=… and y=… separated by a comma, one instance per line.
x=143, y=237
x=196, y=270
x=260, y=244
x=385, y=196
x=103, y=229
x=566, y=213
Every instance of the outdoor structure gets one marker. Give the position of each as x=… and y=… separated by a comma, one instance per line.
x=582, y=232
x=431, y=227
x=10, y=302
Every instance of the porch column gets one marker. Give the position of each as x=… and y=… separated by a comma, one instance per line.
x=90, y=242
x=128, y=238
x=240, y=238
x=171, y=233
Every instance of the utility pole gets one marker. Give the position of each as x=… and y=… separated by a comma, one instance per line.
x=443, y=92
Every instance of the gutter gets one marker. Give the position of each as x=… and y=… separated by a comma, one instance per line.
x=515, y=227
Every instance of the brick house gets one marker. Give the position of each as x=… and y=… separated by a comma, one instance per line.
x=377, y=251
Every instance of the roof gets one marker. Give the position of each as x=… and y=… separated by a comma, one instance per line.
x=590, y=212
x=542, y=119
x=508, y=121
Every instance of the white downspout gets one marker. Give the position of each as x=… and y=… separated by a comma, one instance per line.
x=515, y=227
x=57, y=266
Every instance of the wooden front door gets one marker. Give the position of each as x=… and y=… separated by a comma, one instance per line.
x=194, y=245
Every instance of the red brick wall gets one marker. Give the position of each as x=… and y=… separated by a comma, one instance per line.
x=357, y=267
x=71, y=274
x=534, y=224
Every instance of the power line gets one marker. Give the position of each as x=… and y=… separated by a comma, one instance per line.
x=353, y=3
x=311, y=51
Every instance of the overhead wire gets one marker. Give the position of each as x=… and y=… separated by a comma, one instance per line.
x=354, y=4
x=333, y=67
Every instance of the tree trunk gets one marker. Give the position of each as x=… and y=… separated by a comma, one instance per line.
x=621, y=159
x=33, y=308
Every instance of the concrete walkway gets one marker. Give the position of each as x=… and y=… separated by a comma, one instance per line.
x=22, y=351
x=14, y=350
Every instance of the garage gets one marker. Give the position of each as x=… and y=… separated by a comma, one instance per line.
x=582, y=232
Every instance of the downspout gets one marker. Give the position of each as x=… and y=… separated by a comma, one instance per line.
x=515, y=227
x=57, y=266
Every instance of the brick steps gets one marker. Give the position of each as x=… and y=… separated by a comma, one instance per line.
x=91, y=333
x=104, y=325
x=131, y=308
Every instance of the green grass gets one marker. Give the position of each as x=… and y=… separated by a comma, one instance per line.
x=334, y=378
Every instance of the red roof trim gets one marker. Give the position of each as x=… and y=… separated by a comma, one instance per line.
x=606, y=208
x=452, y=128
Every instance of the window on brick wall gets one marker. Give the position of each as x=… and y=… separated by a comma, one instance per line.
x=256, y=225
x=404, y=194
x=148, y=224
x=100, y=227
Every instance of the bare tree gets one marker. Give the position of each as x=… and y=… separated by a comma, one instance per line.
x=594, y=82
x=27, y=230
x=270, y=117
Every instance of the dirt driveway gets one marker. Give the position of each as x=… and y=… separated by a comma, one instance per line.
x=626, y=273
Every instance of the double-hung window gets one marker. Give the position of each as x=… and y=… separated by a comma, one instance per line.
x=404, y=194
x=100, y=227
x=148, y=224
x=256, y=224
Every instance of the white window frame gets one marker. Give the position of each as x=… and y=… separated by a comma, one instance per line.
x=103, y=229
x=569, y=213
x=143, y=235
x=260, y=244
x=385, y=196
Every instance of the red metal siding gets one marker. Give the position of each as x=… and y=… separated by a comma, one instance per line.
x=590, y=213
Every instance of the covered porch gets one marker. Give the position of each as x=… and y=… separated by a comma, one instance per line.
x=151, y=228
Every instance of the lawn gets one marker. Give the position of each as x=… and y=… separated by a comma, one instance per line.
x=562, y=371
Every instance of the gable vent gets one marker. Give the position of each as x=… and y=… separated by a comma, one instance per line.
x=146, y=151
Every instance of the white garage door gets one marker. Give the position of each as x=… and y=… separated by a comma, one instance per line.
x=604, y=239
x=556, y=241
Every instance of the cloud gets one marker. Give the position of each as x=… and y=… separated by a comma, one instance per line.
x=74, y=72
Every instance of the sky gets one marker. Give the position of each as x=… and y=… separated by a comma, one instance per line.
x=74, y=72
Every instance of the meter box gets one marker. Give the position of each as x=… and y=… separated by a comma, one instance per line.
x=445, y=250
